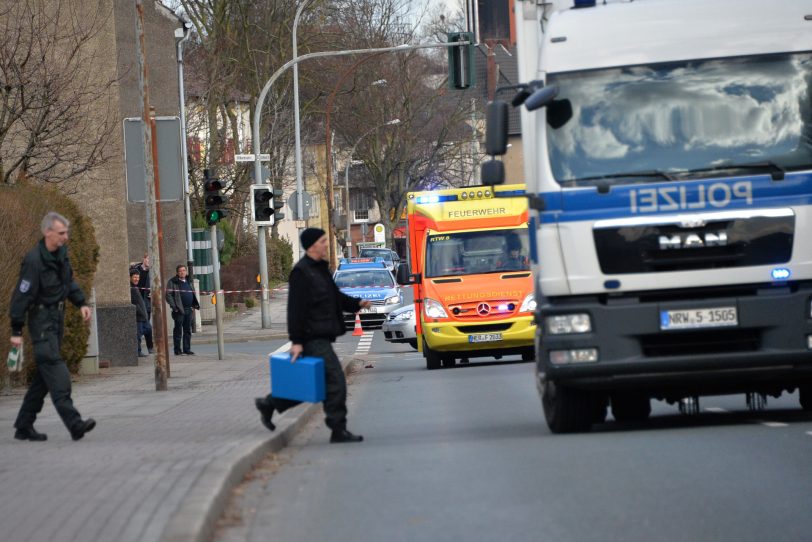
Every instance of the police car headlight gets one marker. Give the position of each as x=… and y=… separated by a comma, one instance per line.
x=434, y=309
x=529, y=303
x=562, y=324
x=394, y=300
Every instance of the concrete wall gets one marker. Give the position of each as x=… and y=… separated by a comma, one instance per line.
x=120, y=227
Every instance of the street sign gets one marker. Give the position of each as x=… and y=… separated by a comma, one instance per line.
x=380, y=233
x=169, y=159
x=251, y=157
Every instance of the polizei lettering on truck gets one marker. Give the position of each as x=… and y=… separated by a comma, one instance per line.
x=679, y=198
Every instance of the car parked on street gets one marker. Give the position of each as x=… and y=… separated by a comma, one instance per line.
x=390, y=257
x=399, y=327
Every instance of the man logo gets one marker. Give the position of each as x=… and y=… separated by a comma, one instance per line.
x=693, y=240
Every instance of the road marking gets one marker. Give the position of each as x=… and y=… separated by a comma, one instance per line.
x=715, y=409
x=775, y=424
x=284, y=348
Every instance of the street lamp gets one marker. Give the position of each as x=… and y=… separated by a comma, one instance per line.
x=347, y=178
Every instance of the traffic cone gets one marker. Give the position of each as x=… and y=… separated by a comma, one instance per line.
x=358, y=331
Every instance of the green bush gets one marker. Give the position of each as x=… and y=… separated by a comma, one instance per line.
x=22, y=207
x=280, y=260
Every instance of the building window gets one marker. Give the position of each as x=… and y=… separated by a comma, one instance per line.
x=361, y=216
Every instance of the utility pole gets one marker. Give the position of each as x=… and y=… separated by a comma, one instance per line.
x=153, y=210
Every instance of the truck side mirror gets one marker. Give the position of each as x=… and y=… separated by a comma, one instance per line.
x=405, y=277
x=496, y=128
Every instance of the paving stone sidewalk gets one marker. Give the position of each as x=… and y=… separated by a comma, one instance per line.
x=159, y=465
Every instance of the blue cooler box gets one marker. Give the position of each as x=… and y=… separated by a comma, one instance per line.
x=300, y=381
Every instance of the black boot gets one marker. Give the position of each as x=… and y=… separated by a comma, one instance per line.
x=29, y=433
x=266, y=409
x=342, y=435
x=81, y=427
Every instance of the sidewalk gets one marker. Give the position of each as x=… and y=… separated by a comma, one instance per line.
x=160, y=465
x=247, y=325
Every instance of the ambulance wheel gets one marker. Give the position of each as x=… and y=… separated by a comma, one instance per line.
x=631, y=407
x=433, y=359
x=805, y=395
x=566, y=410
x=448, y=361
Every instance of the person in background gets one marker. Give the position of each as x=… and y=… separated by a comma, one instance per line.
x=180, y=294
x=144, y=288
x=315, y=319
x=140, y=309
x=46, y=280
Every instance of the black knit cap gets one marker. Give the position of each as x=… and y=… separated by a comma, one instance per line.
x=310, y=236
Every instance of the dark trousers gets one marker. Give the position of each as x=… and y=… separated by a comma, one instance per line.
x=182, y=332
x=46, y=327
x=335, y=402
x=139, y=332
x=148, y=331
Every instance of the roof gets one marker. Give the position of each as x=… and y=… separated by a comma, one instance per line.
x=649, y=31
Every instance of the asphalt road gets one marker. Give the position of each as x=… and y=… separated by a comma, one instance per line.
x=463, y=454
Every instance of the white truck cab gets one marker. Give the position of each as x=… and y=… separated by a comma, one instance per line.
x=671, y=178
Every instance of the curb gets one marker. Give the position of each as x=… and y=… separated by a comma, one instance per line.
x=197, y=339
x=208, y=497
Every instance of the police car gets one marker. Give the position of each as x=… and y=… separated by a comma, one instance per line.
x=368, y=278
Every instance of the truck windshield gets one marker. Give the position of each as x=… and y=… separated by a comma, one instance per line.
x=682, y=120
x=474, y=252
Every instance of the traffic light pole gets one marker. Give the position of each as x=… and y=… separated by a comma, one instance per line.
x=263, y=257
x=218, y=297
x=265, y=303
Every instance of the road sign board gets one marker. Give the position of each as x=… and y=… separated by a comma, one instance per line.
x=251, y=157
x=169, y=159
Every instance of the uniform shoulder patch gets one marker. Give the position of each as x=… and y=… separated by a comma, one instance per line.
x=24, y=286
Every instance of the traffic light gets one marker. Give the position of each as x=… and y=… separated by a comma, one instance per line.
x=461, y=69
x=262, y=204
x=278, y=203
x=214, y=200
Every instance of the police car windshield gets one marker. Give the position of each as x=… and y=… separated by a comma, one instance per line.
x=365, y=278
x=684, y=120
x=475, y=252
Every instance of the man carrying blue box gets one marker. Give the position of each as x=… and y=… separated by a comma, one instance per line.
x=315, y=319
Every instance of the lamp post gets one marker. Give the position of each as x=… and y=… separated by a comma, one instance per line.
x=297, y=126
x=347, y=178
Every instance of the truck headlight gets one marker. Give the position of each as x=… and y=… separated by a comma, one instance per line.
x=529, y=303
x=434, y=309
x=394, y=300
x=562, y=324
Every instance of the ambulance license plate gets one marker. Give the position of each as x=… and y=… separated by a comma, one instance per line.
x=485, y=338
x=699, y=318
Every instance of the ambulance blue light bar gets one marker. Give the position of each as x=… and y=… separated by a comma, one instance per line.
x=780, y=273
x=435, y=198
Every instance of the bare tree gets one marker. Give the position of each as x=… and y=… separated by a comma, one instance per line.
x=56, y=114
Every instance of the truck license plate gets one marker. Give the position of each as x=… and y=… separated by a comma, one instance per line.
x=699, y=318
x=485, y=338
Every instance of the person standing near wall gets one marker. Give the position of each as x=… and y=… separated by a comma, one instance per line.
x=180, y=294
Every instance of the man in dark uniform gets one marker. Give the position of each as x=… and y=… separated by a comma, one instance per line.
x=180, y=294
x=315, y=319
x=46, y=280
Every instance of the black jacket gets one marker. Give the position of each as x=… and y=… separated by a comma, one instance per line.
x=46, y=278
x=138, y=301
x=173, y=288
x=315, y=304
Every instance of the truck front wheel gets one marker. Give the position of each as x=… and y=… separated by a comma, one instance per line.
x=566, y=410
x=433, y=358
